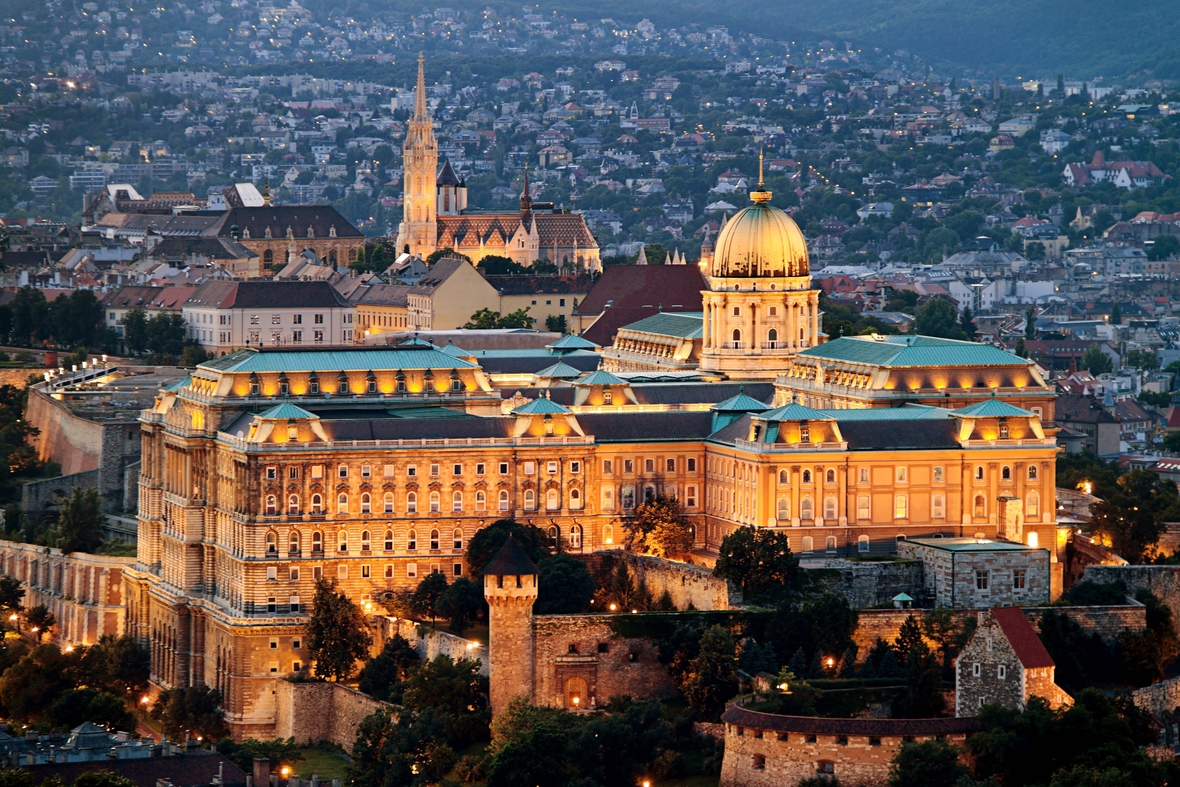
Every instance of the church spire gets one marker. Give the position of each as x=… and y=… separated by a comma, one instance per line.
x=420, y=91
x=526, y=198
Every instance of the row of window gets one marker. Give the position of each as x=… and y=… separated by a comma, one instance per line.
x=983, y=576
x=528, y=467
x=342, y=572
x=901, y=474
x=901, y=507
x=627, y=466
x=627, y=495
x=977, y=671
x=295, y=541
x=552, y=500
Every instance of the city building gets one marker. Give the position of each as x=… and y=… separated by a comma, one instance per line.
x=978, y=572
x=223, y=316
x=1005, y=663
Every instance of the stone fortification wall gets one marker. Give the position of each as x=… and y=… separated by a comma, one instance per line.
x=46, y=494
x=691, y=587
x=1159, y=698
x=583, y=653
x=1108, y=622
x=431, y=643
x=314, y=711
x=868, y=584
x=1162, y=581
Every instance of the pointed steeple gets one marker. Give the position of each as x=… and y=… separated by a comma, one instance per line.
x=760, y=194
x=667, y=259
x=642, y=259
x=526, y=199
x=420, y=91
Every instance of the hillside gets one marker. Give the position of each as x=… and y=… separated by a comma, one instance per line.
x=1009, y=38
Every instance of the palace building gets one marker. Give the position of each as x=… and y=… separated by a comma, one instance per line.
x=267, y=469
x=435, y=213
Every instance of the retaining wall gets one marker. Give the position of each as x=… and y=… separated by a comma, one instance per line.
x=320, y=711
x=46, y=494
x=1162, y=697
x=431, y=643
x=1162, y=581
x=870, y=583
x=689, y=586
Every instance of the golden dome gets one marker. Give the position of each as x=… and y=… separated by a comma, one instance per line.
x=760, y=241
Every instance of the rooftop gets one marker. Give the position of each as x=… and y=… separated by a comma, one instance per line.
x=973, y=545
x=906, y=350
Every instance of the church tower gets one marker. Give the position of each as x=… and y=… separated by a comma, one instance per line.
x=510, y=587
x=418, y=229
x=759, y=306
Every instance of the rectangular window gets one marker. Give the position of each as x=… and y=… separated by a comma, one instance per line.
x=271, y=606
x=388, y=471
x=692, y=464
x=457, y=569
x=480, y=468
x=389, y=571
x=319, y=319
x=456, y=469
x=317, y=471
x=434, y=471
x=976, y=670
x=690, y=497
x=530, y=468
x=1001, y=672
x=365, y=571
x=503, y=468
x=272, y=573
x=317, y=573
x=938, y=475
x=342, y=471
x=649, y=465
x=981, y=579
x=296, y=644
x=342, y=571
x=552, y=468
x=295, y=607
x=297, y=336
x=366, y=471
x=411, y=570
x=297, y=319
x=669, y=465
x=1019, y=579
x=938, y=506
x=628, y=466
x=293, y=576
x=901, y=474
x=607, y=467
x=272, y=473
x=276, y=319
x=318, y=336
x=864, y=475
x=412, y=471
x=253, y=319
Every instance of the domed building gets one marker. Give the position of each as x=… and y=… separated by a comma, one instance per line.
x=759, y=308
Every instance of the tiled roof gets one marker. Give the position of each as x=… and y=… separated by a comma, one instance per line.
x=741, y=403
x=795, y=412
x=267, y=295
x=471, y=230
x=647, y=427
x=380, y=295
x=1023, y=638
x=286, y=412
x=570, y=342
x=541, y=406
x=322, y=219
x=681, y=325
x=511, y=560
x=333, y=361
x=559, y=370
x=625, y=294
x=992, y=408
x=911, y=351
x=600, y=377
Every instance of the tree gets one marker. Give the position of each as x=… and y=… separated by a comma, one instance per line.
x=564, y=586
x=445, y=253
x=196, y=709
x=403, y=749
x=165, y=334
x=529, y=745
x=901, y=301
x=192, y=355
x=135, y=330
x=102, y=778
x=12, y=594
x=1116, y=314
x=87, y=704
x=80, y=522
x=1030, y=323
x=243, y=753
x=486, y=319
x=759, y=561
x=923, y=697
x=517, y=319
x=712, y=680
x=487, y=541
x=1131, y=517
x=938, y=626
x=120, y=665
x=909, y=636
x=557, y=323
x=382, y=675
x=1163, y=247
x=1095, y=361
x=938, y=317
x=967, y=324
x=932, y=763
x=337, y=633
x=40, y=620
x=461, y=603
x=29, y=688
x=424, y=601
x=659, y=528
x=495, y=265
x=624, y=593
x=454, y=689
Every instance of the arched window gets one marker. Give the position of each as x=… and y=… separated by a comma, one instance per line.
x=317, y=504
x=862, y=545
x=901, y=507
x=1033, y=506
x=388, y=502
x=554, y=536
x=412, y=541
x=388, y=540
x=1032, y=472
x=481, y=500
x=783, y=511
x=608, y=534
x=435, y=502
x=293, y=542
x=980, y=506
x=342, y=541
x=317, y=541
x=1006, y=473
x=457, y=540
x=366, y=541
x=830, y=506
x=576, y=537
x=552, y=500
x=979, y=472
x=530, y=499
x=366, y=503
x=268, y=257
x=807, y=476
x=784, y=477
x=1003, y=431
x=772, y=338
x=737, y=339
x=342, y=503
x=412, y=503
x=456, y=501
x=434, y=540
x=807, y=543
x=830, y=544
x=293, y=505
x=575, y=499
x=272, y=505
x=806, y=510
x=503, y=500
x=863, y=507
x=272, y=543
x=830, y=476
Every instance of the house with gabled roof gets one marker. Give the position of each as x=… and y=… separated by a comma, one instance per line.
x=1005, y=663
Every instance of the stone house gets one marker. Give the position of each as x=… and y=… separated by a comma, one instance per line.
x=980, y=573
x=1005, y=663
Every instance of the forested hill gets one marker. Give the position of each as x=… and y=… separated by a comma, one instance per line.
x=1009, y=38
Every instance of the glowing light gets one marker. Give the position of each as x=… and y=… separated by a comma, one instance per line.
x=69, y=648
x=285, y=770
x=1087, y=487
x=830, y=662
x=144, y=700
x=614, y=607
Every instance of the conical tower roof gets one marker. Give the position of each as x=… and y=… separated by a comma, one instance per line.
x=511, y=560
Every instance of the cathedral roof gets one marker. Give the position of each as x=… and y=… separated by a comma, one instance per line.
x=470, y=230
x=447, y=176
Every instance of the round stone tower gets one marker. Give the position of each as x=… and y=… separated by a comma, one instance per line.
x=510, y=587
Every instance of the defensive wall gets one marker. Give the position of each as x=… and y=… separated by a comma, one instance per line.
x=690, y=586
x=317, y=711
x=430, y=643
x=1162, y=581
x=869, y=583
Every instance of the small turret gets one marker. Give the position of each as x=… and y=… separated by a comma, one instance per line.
x=510, y=587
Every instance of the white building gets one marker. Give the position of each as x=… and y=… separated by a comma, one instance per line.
x=227, y=315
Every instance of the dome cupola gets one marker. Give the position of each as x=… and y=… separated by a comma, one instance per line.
x=760, y=241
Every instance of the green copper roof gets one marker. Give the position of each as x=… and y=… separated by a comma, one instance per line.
x=417, y=341
x=286, y=412
x=681, y=325
x=453, y=351
x=176, y=386
x=559, y=370
x=740, y=404
x=600, y=377
x=911, y=351
x=796, y=412
x=541, y=406
x=992, y=408
x=336, y=361
x=572, y=343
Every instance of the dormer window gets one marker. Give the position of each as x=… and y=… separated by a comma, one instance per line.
x=1003, y=431
x=804, y=433
x=607, y=396
x=268, y=235
x=292, y=432
x=313, y=384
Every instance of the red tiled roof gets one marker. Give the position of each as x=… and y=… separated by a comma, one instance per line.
x=1022, y=637
x=625, y=294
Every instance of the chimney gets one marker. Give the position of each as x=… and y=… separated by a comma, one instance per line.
x=261, y=771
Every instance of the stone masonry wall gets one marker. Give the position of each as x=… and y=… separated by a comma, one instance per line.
x=46, y=494
x=1162, y=697
x=313, y=712
x=572, y=648
x=870, y=583
x=431, y=643
x=1162, y=581
x=688, y=585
